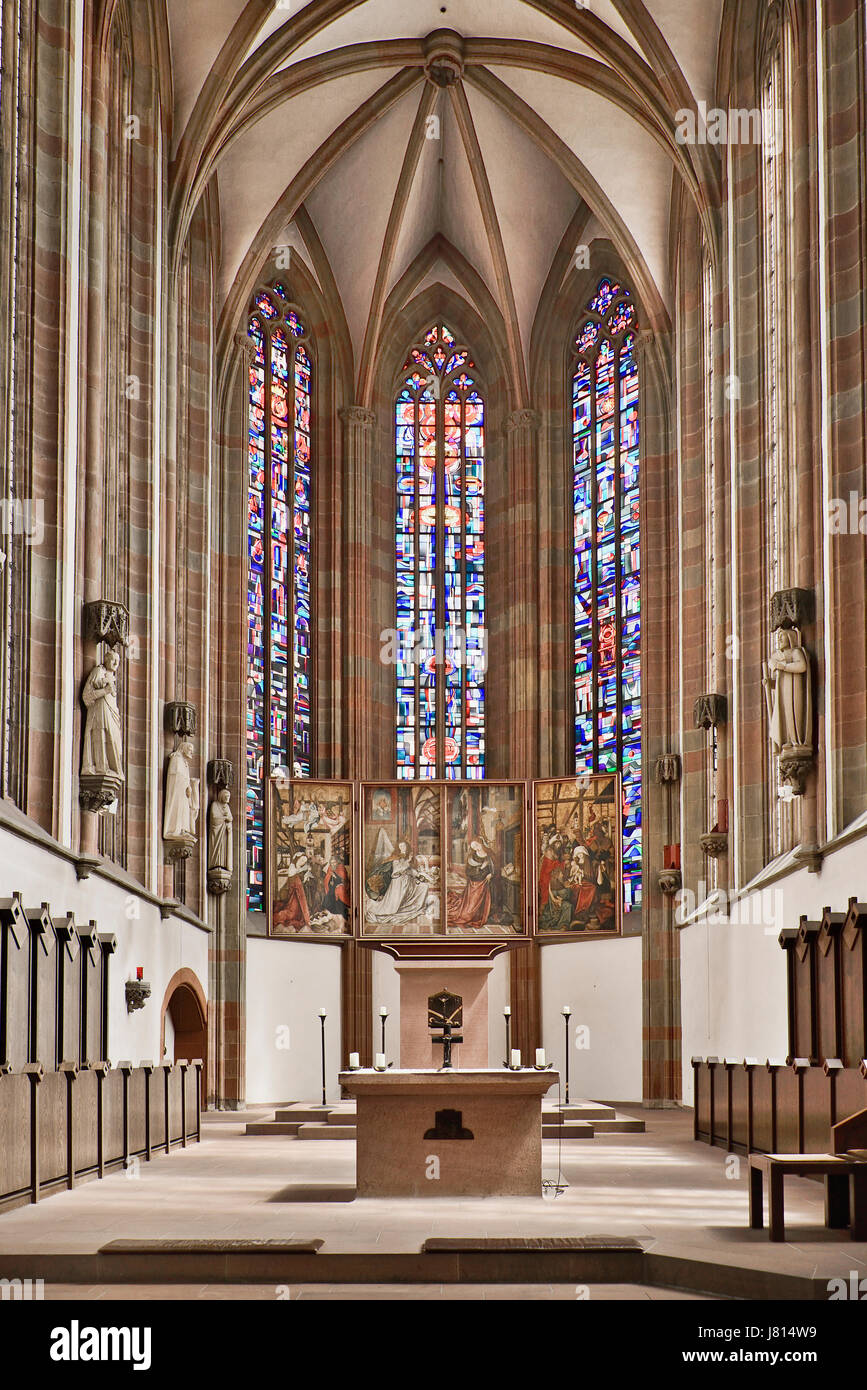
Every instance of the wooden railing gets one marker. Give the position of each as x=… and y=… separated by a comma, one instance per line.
x=773, y=1106
x=60, y=1127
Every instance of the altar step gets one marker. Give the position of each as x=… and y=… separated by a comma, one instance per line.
x=578, y=1120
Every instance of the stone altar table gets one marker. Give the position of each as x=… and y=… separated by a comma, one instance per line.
x=449, y=1133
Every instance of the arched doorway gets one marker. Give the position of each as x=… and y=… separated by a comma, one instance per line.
x=184, y=1022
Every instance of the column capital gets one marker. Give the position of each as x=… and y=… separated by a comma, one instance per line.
x=524, y=420
x=245, y=347
x=358, y=415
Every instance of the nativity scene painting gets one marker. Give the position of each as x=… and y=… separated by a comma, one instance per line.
x=402, y=860
x=311, y=853
x=485, y=859
x=577, y=846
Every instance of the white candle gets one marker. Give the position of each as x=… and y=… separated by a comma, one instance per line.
x=506, y=1011
x=354, y=1060
x=540, y=1056
x=383, y=1012
x=379, y=1063
x=516, y=1057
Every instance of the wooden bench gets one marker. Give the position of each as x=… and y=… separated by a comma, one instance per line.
x=844, y=1171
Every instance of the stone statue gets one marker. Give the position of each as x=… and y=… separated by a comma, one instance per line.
x=102, y=772
x=787, y=680
x=220, y=863
x=182, y=802
x=102, y=751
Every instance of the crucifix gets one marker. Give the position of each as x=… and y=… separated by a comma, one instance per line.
x=445, y=1011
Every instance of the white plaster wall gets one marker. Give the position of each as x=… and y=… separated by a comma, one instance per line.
x=143, y=938
x=386, y=990
x=288, y=982
x=733, y=973
x=601, y=982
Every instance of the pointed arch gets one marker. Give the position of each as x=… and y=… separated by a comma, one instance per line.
x=279, y=561
x=440, y=551
x=606, y=583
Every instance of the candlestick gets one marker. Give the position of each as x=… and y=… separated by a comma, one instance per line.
x=507, y=1019
x=567, y=1014
x=322, y=1017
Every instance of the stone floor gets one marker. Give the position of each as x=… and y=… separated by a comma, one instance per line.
x=675, y=1196
x=606, y=1293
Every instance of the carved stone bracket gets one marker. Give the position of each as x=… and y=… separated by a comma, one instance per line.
x=181, y=718
x=221, y=772
x=795, y=763
x=178, y=848
x=669, y=880
x=106, y=622
x=792, y=608
x=668, y=768
x=98, y=791
x=714, y=843
x=710, y=711
x=219, y=881
x=137, y=994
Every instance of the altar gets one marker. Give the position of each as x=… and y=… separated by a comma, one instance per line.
x=449, y=1133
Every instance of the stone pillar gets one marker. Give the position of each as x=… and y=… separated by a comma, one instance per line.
x=227, y=956
x=521, y=653
x=522, y=605
x=660, y=944
x=360, y=649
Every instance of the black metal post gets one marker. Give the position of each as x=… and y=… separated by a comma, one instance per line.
x=322, y=1018
x=383, y=1018
x=507, y=1018
x=567, y=1014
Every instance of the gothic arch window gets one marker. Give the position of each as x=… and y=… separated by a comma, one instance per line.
x=606, y=558
x=440, y=562
x=279, y=668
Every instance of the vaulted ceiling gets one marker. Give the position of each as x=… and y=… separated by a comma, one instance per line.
x=473, y=143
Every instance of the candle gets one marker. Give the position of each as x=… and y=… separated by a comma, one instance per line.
x=139, y=972
x=383, y=1011
x=322, y=1013
x=516, y=1058
x=379, y=1063
x=354, y=1061
x=540, y=1056
x=507, y=1012
x=566, y=1011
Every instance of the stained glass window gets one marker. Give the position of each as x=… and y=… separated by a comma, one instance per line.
x=440, y=550
x=278, y=545
x=606, y=575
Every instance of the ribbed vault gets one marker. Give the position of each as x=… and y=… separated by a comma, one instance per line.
x=391, y=145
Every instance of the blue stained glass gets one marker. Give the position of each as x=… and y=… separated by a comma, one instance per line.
x=607, y=558
x=279, y=612
x=439, y=428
